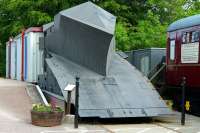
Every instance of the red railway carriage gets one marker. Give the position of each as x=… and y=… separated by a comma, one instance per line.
x=183, y=58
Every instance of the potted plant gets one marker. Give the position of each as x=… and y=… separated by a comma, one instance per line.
x=46, y=115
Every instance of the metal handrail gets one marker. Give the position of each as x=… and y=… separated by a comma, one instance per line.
x=159, y=70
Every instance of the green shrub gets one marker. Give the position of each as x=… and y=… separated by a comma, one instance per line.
x=45, y=108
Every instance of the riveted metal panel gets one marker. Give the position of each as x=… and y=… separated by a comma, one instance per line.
x=83, y=44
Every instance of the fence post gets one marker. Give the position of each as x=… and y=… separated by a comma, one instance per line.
x=76, y=103
x=68, y=102
x=183, y=84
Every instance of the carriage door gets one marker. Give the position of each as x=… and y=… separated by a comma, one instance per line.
x=171, y=58
x=172, y=48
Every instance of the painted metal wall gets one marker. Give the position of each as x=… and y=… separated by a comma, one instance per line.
x=82, y=43
x=19, y=56
x=7, y=59
x=146, y=60
x=13, y=60
x=183, y=58
x=33, y=56
x=24, y=61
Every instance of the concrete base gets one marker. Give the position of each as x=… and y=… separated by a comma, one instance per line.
x=69, y=119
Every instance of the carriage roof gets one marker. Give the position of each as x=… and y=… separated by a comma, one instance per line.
x=185, y=23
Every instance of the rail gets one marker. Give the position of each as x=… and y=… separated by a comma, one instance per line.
x=159, y=70
x=41, y=95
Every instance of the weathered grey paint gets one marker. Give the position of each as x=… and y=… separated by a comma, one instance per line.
x=77, y=29
x=82, y=42
x=154, y=55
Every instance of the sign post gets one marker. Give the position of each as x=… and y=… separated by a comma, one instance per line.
x=76, y=103
x=69, y=88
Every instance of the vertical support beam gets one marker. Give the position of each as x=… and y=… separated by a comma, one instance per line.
x=22, y=61
x=183, y=101
x=9, y=71
x=76, y=103
x=45, y=54
x=68, y=102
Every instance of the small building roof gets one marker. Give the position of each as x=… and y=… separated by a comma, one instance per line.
x=34, y=29
x=47, y=26
x=185, y=23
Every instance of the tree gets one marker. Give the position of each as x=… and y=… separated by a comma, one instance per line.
x=150, y=31
x=16, y=15
x=140, y=23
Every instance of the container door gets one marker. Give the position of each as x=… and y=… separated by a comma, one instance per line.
x=15, y=43
x=172, y=54
x=13, y=60
x=145, y=65
x=32, y=59
x=16, y=60
x=39, y=56
x=19, y=53
x=25, y=58
x=7, y=60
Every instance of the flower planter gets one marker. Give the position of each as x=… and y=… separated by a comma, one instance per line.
x=46, y=119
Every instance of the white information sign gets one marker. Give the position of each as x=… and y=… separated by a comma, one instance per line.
x=190, y=53
x=69, y=87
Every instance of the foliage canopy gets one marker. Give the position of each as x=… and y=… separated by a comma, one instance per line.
x=140, y=23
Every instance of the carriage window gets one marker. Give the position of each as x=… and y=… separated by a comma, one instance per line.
x=195, y=36
x=172, y=50
x=190, y=37
x=172, y=35
x=184, y=37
